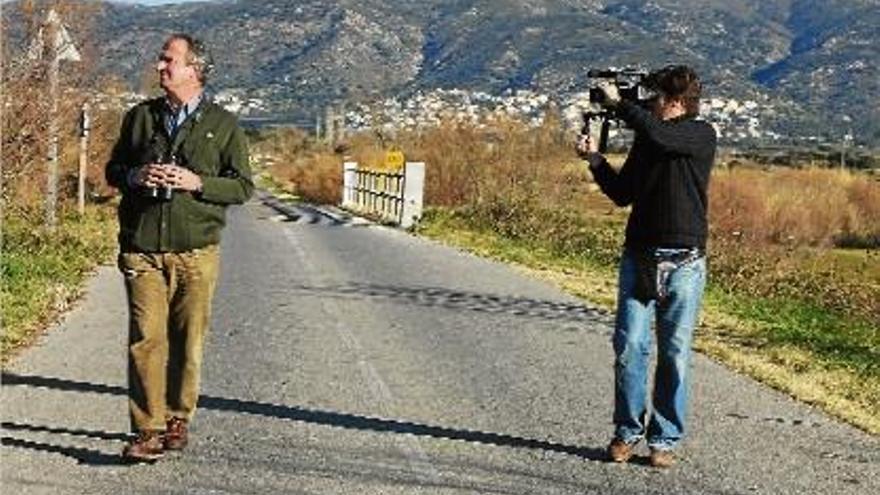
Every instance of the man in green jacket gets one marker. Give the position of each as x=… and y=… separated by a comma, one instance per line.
x=179, y=162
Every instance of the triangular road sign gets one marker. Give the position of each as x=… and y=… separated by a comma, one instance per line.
x=63, y=42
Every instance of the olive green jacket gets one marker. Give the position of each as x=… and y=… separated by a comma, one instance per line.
x=210, y=143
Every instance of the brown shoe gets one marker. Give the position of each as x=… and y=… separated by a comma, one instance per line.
x=620, y=451
x=146, y=447
x=662, y=458
x=176, y=434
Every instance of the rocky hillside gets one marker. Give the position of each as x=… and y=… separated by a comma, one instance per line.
x=813, y=62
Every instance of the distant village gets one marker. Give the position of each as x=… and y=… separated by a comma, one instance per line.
x=735, y=121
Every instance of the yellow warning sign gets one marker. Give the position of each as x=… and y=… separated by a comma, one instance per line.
x=394, y=159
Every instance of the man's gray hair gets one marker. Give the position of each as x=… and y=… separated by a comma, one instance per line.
x=198, y=55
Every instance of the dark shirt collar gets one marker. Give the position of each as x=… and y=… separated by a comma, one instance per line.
x=176, y=116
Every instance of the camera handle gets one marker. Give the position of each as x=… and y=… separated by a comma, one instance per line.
x=603, y=132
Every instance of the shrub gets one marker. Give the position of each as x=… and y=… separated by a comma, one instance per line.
x=809, y=207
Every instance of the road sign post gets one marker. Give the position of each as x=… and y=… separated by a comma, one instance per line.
x=59, y=47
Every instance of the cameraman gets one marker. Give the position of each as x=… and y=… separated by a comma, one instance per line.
x=663, y=267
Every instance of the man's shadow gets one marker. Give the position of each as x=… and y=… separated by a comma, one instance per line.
x=89, y=457
x=276, y=411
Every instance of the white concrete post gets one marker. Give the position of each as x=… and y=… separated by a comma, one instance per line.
x=413, y=193
x=52, y=156
x=340, y=123
x=330, y=126
x=84, y=127
x=349, y=184
x=58, y=47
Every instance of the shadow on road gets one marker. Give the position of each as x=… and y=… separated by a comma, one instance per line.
x=83, y=456
x=302, y=213
x=441, y=297
x=326, y=418
x=103, y=435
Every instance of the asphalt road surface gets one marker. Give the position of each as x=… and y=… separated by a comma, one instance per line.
x=348, y=358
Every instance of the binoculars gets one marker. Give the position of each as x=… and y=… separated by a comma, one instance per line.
x=163, y=193
x=160, y=193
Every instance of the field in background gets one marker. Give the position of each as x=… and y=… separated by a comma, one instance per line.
x=794, y=292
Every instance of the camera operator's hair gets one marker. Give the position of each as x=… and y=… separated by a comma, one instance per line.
x=679, y=81
x=197, y=55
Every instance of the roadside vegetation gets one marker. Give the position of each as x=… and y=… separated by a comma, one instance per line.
x=794, y=293
x=42, y=268
x=43, y=271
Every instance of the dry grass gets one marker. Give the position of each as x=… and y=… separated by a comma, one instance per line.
x=475, y=166
x=774, y=230
x=24, y=130
x=316, y=177
x=813, y=206
x=301, y=168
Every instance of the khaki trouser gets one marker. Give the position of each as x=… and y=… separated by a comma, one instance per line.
x=169, y=300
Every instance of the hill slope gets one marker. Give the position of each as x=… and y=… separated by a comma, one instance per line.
x=814, y=61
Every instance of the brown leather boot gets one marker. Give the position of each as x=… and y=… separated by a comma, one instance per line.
x=176, y=434
x=146, y=447
x=662, y=458
x=620, y=451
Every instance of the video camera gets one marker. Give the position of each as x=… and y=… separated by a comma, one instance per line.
x=633, y=85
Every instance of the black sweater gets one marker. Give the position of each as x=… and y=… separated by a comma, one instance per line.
x=665, y=179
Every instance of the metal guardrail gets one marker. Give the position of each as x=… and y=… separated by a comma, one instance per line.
x=395, y=197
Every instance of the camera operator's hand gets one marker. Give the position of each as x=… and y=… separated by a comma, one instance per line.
x=612, y=95
x=585, y=146
x=183, y=178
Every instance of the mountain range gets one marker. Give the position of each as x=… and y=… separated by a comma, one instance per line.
x=813, y=63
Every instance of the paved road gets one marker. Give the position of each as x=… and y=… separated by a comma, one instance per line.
x=353, y=359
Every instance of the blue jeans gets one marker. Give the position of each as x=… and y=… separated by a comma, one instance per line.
x=675, y=318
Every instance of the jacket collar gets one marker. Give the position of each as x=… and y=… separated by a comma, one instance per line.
x=681, y=118
x=157, y=111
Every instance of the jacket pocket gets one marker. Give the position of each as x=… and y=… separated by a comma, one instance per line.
x=203, y=222
x=131, y=217
x=133, y=265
